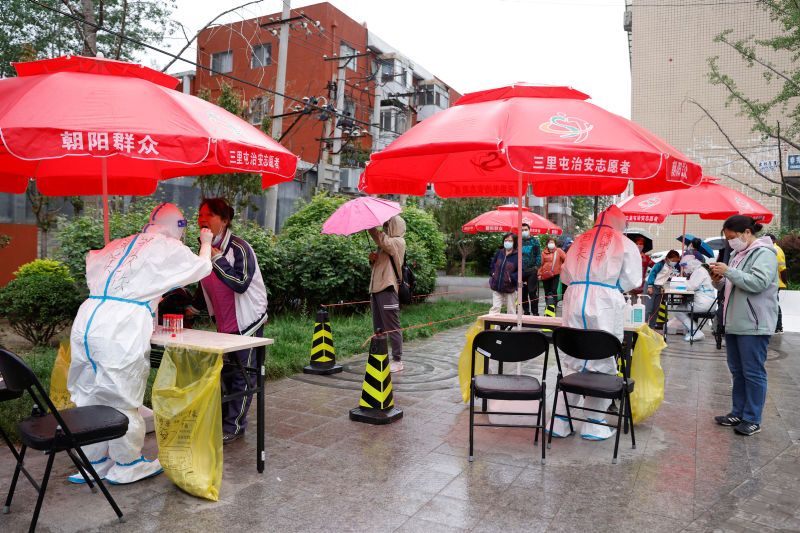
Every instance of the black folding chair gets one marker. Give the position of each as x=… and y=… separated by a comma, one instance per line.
x=52, y=431
x=593, y=345
x=5, y=396
x=508, y=347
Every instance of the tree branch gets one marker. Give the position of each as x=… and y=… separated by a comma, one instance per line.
x=122, y=28
x=203, y=28
x=753, y=57
x=765, y=193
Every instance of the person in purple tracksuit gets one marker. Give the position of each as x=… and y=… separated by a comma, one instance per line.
x=235, y=296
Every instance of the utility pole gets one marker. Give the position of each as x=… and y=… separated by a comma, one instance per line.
x=337, y=130
x=277, y=123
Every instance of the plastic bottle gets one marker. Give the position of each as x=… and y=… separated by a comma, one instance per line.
x=628, y=313
x=637, y=313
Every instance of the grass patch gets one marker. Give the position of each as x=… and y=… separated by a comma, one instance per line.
x=292, y=333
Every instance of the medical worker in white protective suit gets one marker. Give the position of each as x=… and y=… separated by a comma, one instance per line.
x=600, y=265
x=704, y=295
x=110, y=337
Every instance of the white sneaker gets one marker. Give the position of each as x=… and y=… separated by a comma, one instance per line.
x=698, y=335
x=395, y=366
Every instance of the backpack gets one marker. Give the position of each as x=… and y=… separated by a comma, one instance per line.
x=405, y=284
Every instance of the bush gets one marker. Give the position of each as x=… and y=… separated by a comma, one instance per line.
x=39, y=305
x=44, y=266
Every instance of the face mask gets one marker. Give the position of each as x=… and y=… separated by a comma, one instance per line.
x=673, y=263
x=526, y=234
x=508, y=245
x=737, y=244
x=217, y=240
x=550, y=245
x=641, y=248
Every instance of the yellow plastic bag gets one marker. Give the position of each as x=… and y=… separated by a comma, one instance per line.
x=648, y=392
x=188, y=418
x=465, y=360
x=58, y=378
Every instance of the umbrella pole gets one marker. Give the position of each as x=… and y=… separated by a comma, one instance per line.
x=105, y=198
x=519, y=252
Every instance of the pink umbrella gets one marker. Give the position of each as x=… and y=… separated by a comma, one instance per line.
x=505, y=218
x=359, y=214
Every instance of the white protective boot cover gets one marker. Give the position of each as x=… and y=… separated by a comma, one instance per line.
x=561, y=423
x=98, y=456
x=595, y=431
x=129, y=463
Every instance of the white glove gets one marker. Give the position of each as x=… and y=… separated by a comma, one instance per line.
x=206, y=236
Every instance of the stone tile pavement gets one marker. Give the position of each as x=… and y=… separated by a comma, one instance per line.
x=326, y=473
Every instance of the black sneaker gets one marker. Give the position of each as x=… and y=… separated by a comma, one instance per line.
x=747, y=428
x=728, y=420
x=227, y=438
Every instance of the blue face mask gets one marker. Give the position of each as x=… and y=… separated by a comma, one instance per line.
x=508, y=245
x=526, y=234
x=673, y=263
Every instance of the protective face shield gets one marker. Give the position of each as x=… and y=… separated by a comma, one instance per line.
x=170, y=217
x=690, y=264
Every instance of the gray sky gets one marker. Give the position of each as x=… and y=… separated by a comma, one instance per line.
x=478, y=44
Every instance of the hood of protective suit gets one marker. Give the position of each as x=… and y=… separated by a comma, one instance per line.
x=689, y=263
x=170, y=218
x=395, y=227
x=614, y=217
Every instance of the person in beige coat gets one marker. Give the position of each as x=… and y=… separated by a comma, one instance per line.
x=383, y=284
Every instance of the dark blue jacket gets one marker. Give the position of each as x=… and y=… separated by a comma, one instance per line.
x=503, y=271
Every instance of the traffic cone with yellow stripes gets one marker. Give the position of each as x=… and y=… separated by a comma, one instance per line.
x=323, y=359
x=377, y=402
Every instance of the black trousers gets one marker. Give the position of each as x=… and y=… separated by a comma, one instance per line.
x=530, y=293
x=551, y=290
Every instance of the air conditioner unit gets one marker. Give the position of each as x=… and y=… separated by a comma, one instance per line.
x=627, y=20
x=348, y=179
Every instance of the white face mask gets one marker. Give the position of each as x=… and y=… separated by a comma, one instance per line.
x=641, y=247
x=737, y=244
x=526, y=234
x=550, y=245
x=508, y=245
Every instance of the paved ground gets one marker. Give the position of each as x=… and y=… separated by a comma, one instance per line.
x=326, y=473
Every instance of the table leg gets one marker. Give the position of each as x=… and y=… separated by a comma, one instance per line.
x=260, y=356
x=629, y=337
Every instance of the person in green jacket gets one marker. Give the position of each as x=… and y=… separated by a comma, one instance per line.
x=750, y=284
x=531, y=261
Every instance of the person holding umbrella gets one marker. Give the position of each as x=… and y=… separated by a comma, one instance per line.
x=647, y=263
x=531, y=261
x=383, y=287
x=695, y=245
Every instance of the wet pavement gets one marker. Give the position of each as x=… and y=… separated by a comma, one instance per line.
x=327, y=473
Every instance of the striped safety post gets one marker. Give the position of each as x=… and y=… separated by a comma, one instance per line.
x=323, y=358
x=377, y=401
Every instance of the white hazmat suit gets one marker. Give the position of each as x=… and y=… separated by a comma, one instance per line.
x=110, y=338
x=704, y=295
x=600, y=265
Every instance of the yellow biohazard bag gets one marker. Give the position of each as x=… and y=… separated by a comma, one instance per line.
x=58, y=378
x=188, y=419
x=465, y=360
x=648, y=392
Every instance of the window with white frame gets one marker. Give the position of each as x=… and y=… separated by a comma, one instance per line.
x=222, y=62
x=401, y=123
x=262, y=55
x=345, y=50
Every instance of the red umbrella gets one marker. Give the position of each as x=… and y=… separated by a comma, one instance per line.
x=709, y=200
x=549, y=137
x=505, y=217
x=491, y=142
x=80, y=125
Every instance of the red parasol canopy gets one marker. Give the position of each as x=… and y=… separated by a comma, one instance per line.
x=505, y=218
x=66, y=121
x=709, y=200
x=549, y=136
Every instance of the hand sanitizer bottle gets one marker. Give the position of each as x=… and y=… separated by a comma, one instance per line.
x=628, y=312
x=637, y=313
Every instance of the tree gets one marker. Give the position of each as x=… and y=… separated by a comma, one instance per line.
x=452, y=214
x=239, y=188
x=777, y=117
x=583, y=210
x=29, y=31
